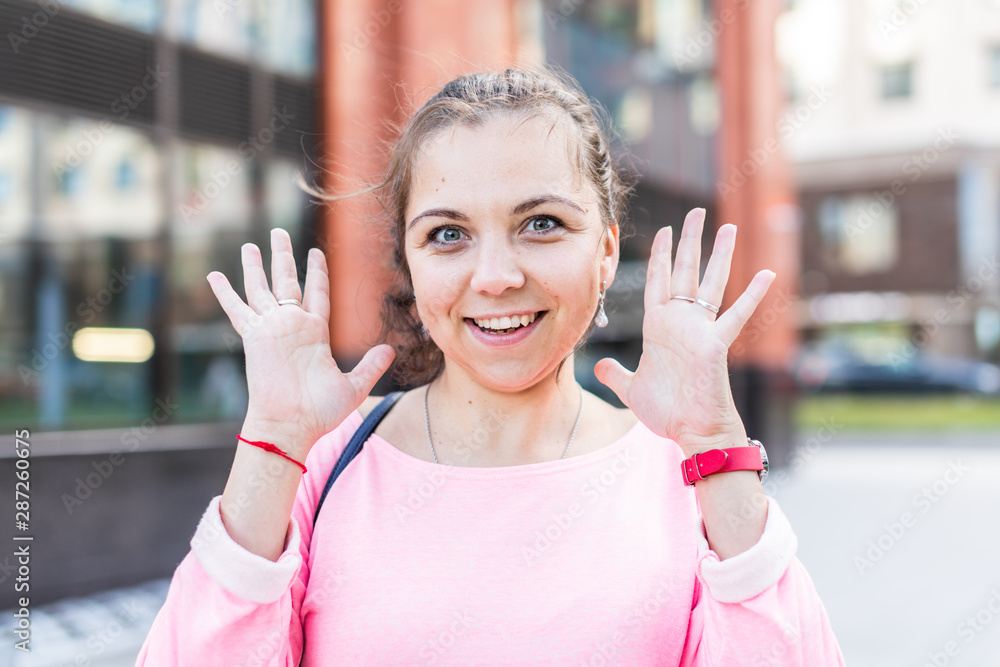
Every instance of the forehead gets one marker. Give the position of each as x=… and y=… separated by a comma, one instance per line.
x=501, y=160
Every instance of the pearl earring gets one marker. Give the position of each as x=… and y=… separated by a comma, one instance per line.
x=602, y=317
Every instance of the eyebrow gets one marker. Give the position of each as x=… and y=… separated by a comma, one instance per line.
x=521, y=208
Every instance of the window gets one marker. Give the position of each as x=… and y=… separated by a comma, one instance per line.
x=219, y=27
x=287, y=34
x=109, y=223
x=88, y=272
x=683, y=38
x=142, y=15
x=125, y=175
x=105, y=257
x=103, y=180
x=212, y=212
x=858, y=233
x=994, y=67
x=279, y=34
x=16, y=165
x=897, y=81
x=793, y=87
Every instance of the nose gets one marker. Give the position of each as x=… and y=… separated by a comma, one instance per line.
x=497, y=268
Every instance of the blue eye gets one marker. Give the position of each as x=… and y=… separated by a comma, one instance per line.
x=542, y=224
x=446, y=235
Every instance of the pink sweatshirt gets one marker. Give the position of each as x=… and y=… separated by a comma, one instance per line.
x=597, y=559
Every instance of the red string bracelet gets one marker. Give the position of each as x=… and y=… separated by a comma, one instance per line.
x=266, y=446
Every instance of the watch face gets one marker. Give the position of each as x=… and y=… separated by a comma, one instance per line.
x=763, y=458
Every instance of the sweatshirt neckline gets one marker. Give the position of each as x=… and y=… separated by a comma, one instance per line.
x=384, y=447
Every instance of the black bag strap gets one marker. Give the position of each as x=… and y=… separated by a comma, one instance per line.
x=357, y=442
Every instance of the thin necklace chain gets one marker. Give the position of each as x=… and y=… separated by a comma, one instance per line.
x=430, y=441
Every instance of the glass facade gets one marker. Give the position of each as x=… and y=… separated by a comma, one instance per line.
x=145, y=15
x=109, y=224
x=279, y=35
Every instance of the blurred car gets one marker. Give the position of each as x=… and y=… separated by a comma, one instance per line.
x=833, y=366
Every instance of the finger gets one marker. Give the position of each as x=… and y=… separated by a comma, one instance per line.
x=238, y=312
x=259, y=295
x=713, y=285
x=317, y=292
x=614, y=376
x=687, y=264
x=658, y=270
x=371, y=367
x=731, y=322
x=284, y=278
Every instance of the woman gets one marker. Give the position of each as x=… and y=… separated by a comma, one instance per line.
x=499, y=514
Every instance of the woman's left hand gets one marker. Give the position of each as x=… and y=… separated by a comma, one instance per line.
x=681, y=388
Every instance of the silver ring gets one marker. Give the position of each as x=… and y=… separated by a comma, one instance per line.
x=285, y=302
x=699, y=301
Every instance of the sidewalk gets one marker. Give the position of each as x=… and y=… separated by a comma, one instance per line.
x=900, y=535
x=899, y=532
x=102, y=630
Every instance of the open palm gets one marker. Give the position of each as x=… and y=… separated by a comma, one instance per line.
x=295, y=387
x=680, y=389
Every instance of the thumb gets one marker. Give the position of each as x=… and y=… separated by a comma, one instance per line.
x=614, y=376
x=371, y=367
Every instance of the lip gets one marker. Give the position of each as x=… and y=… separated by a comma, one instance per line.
x=503, y=340
x=499, y=315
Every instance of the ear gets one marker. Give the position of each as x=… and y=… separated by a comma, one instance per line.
x=609, y=257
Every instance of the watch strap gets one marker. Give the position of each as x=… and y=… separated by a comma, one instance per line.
x=707, y=463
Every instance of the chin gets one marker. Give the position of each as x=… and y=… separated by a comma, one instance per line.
x=509, y=377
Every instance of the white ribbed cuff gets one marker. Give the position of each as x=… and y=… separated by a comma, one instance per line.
x=241, y=572
x=753, y=571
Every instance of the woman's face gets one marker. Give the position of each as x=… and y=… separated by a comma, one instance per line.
x=506, y=249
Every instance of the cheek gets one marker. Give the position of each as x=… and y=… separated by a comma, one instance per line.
x=569, y=276
x=438, y=288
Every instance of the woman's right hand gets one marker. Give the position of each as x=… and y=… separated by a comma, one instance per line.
x=296, y=391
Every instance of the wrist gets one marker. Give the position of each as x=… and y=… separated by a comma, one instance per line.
x=281, y=434
x=748, y=456
x=736, y=437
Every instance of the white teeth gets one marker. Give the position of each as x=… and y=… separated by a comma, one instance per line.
x=507, y=322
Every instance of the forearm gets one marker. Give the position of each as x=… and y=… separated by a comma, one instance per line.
x=733, y=506
x=226, y=604
x=763, y=610
x=258, y=498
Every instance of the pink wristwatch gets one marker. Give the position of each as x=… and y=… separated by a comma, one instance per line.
x=712, y=461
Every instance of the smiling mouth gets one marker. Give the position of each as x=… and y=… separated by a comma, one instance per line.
x=499, y=326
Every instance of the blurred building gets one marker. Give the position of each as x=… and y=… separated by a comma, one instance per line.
x=141, y=143
x=893, y=131
x=630, y=57
x=692, y=86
